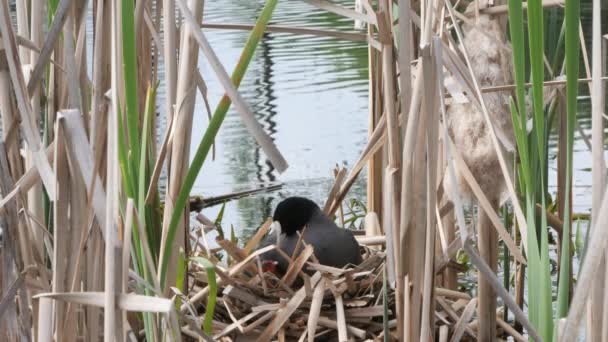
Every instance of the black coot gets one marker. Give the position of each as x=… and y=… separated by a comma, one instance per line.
x=333, y=246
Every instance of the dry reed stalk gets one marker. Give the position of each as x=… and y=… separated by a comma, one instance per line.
x=443, y=333
x=503, y=9
x=169, y=58
x=597, y=314
x=180, y=152
x=405, y=58
x=444, y=260
x=355, y=37
x=443, y=292
x=144, y=55
x=488, y=247
x=406, y=323
x=372, y=228
x=412, y=119
x=283, y=314
x=374, y=188
x=200, y=295
x=81, y=10
x=81, y=154
x=11, y=261
x=49, y=44
x=45, y=327
x=326, y=322
x=454, y=315
x=28, y=120
x=51, y=96
x=520, y=276
x=23, y=29
x=78, y=221
x=450, y=276
x=391, y=245
x=10, y=137
x=416, y=186
x=112, y=183
x=417, y=231
x=71, y=90
x=126, y=244
x=61, y=224
x=254, y=241
x=431, y=102
x=464, y=319
x=340, y=318
x=340, y=175
x=389, y=78
x=343, y=11
x=406, y=241
x=315, y=309
x=100, y=81
x=129, y=302
x=509, y=330
x=604, y=56
x=391, y=205
x=547, y=84
x=35, y=205
x=296, y=265
x=158, y=46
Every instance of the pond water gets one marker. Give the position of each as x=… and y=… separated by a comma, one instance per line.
x=311, y=96
x=309, y=93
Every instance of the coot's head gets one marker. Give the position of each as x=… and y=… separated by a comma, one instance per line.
x=294, y=213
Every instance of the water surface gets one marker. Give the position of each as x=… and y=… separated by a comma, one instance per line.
x=311, y=95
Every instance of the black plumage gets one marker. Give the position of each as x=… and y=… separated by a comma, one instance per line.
x=333, y=246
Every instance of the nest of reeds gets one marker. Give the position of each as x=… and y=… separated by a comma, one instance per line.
x=309, y=302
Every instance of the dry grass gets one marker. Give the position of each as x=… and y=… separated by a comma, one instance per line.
x=89, y=252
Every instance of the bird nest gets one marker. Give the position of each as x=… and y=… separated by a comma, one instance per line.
x=309, y=302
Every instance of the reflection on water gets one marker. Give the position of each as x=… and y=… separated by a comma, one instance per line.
x=309, y=94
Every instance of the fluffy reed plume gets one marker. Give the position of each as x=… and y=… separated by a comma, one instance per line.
x=490, y=54
x=488, y=51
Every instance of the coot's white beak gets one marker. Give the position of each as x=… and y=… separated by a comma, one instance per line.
x=275, y=228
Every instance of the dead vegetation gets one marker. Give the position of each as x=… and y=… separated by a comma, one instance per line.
x=88, y=250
